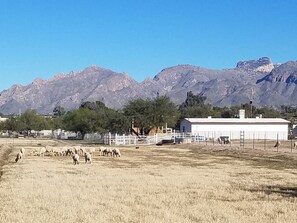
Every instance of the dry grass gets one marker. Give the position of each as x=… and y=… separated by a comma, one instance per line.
x=182, y=183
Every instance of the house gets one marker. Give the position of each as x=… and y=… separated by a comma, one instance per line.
x=236, y=128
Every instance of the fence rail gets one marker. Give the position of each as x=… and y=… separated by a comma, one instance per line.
x=243, y=139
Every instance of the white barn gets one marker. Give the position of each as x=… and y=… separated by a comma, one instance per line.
x=251, y=128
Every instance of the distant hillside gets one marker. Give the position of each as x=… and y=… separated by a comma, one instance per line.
x=266, y=83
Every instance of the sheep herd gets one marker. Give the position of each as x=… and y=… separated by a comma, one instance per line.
x=74, y=151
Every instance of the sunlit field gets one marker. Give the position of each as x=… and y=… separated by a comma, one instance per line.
x=169, y=183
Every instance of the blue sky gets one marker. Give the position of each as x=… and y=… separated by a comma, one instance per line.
x=40, y=38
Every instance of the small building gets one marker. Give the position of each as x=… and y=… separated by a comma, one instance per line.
x=249, y=128
x=3, y=119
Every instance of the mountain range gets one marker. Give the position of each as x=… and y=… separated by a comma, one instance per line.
x=261, y=81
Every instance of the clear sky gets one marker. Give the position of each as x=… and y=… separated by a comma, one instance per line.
x=40, y=38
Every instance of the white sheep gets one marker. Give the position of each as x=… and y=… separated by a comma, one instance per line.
x=88, y=157
x=77, y=149
x=295, y=145
x=107, y=151
x=64, y=150
x=101, y=149
x=58, y=151
x=41, y=151
x=18, y=156
x=116, y=152
x=75, y=158
x=90, y=150
x=69, y=151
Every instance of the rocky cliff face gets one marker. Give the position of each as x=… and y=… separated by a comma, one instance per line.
x=263, y=64
x=257, y=80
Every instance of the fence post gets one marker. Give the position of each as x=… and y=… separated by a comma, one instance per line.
x=291, y=137
x=277, y=142
x=265, y=141
x=253, y=140
x=109, y=138
x=174, y=136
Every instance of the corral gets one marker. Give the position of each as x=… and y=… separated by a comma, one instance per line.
x=171, y=183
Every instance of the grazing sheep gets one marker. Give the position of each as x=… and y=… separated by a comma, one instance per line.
x=277, y=144
x=75, y=158
x=41, y=151
x=295, y=145
x=18, y=156
x=116, y=152
x=90, y=150
x=69, y=151
x=77, y=149
x=107, y=151
x=88, y=157
x=64, y=150
x=101, y=149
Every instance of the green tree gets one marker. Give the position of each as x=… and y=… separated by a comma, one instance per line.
x=192, y=100
x=81, y=120
x=30, y=120
x=151, y=113
x=11, y=124
x=194, y=106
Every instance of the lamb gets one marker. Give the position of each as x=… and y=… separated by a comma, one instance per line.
x=18, y=156
x=88, y=157
x=116, y=152
x=75, y=158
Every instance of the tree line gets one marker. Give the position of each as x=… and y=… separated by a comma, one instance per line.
x=141, y=114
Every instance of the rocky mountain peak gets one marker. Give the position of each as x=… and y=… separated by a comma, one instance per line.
x=263, y=64
x=286, y=72
x=221, y=87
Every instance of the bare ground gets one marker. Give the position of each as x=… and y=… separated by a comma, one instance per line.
x=176, y=183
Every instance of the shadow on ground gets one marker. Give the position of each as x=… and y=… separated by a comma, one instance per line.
x=284, y=191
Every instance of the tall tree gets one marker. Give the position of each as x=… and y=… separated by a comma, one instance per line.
x=151, y=113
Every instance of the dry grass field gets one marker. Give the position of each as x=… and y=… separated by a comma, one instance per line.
x=176, y=183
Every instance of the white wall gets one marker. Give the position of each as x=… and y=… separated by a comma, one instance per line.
x=256, y=131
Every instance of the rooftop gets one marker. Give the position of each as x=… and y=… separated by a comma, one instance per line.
x=238, y=120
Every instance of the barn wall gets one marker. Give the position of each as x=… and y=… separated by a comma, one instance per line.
x=256, y=131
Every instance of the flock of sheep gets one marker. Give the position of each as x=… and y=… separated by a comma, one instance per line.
x=75, y=152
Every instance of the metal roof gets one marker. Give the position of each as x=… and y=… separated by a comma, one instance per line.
x=237, y=120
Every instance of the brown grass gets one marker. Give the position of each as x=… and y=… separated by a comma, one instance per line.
x=181, y=183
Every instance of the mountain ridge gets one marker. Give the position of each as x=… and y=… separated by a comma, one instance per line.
x=261, y=81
